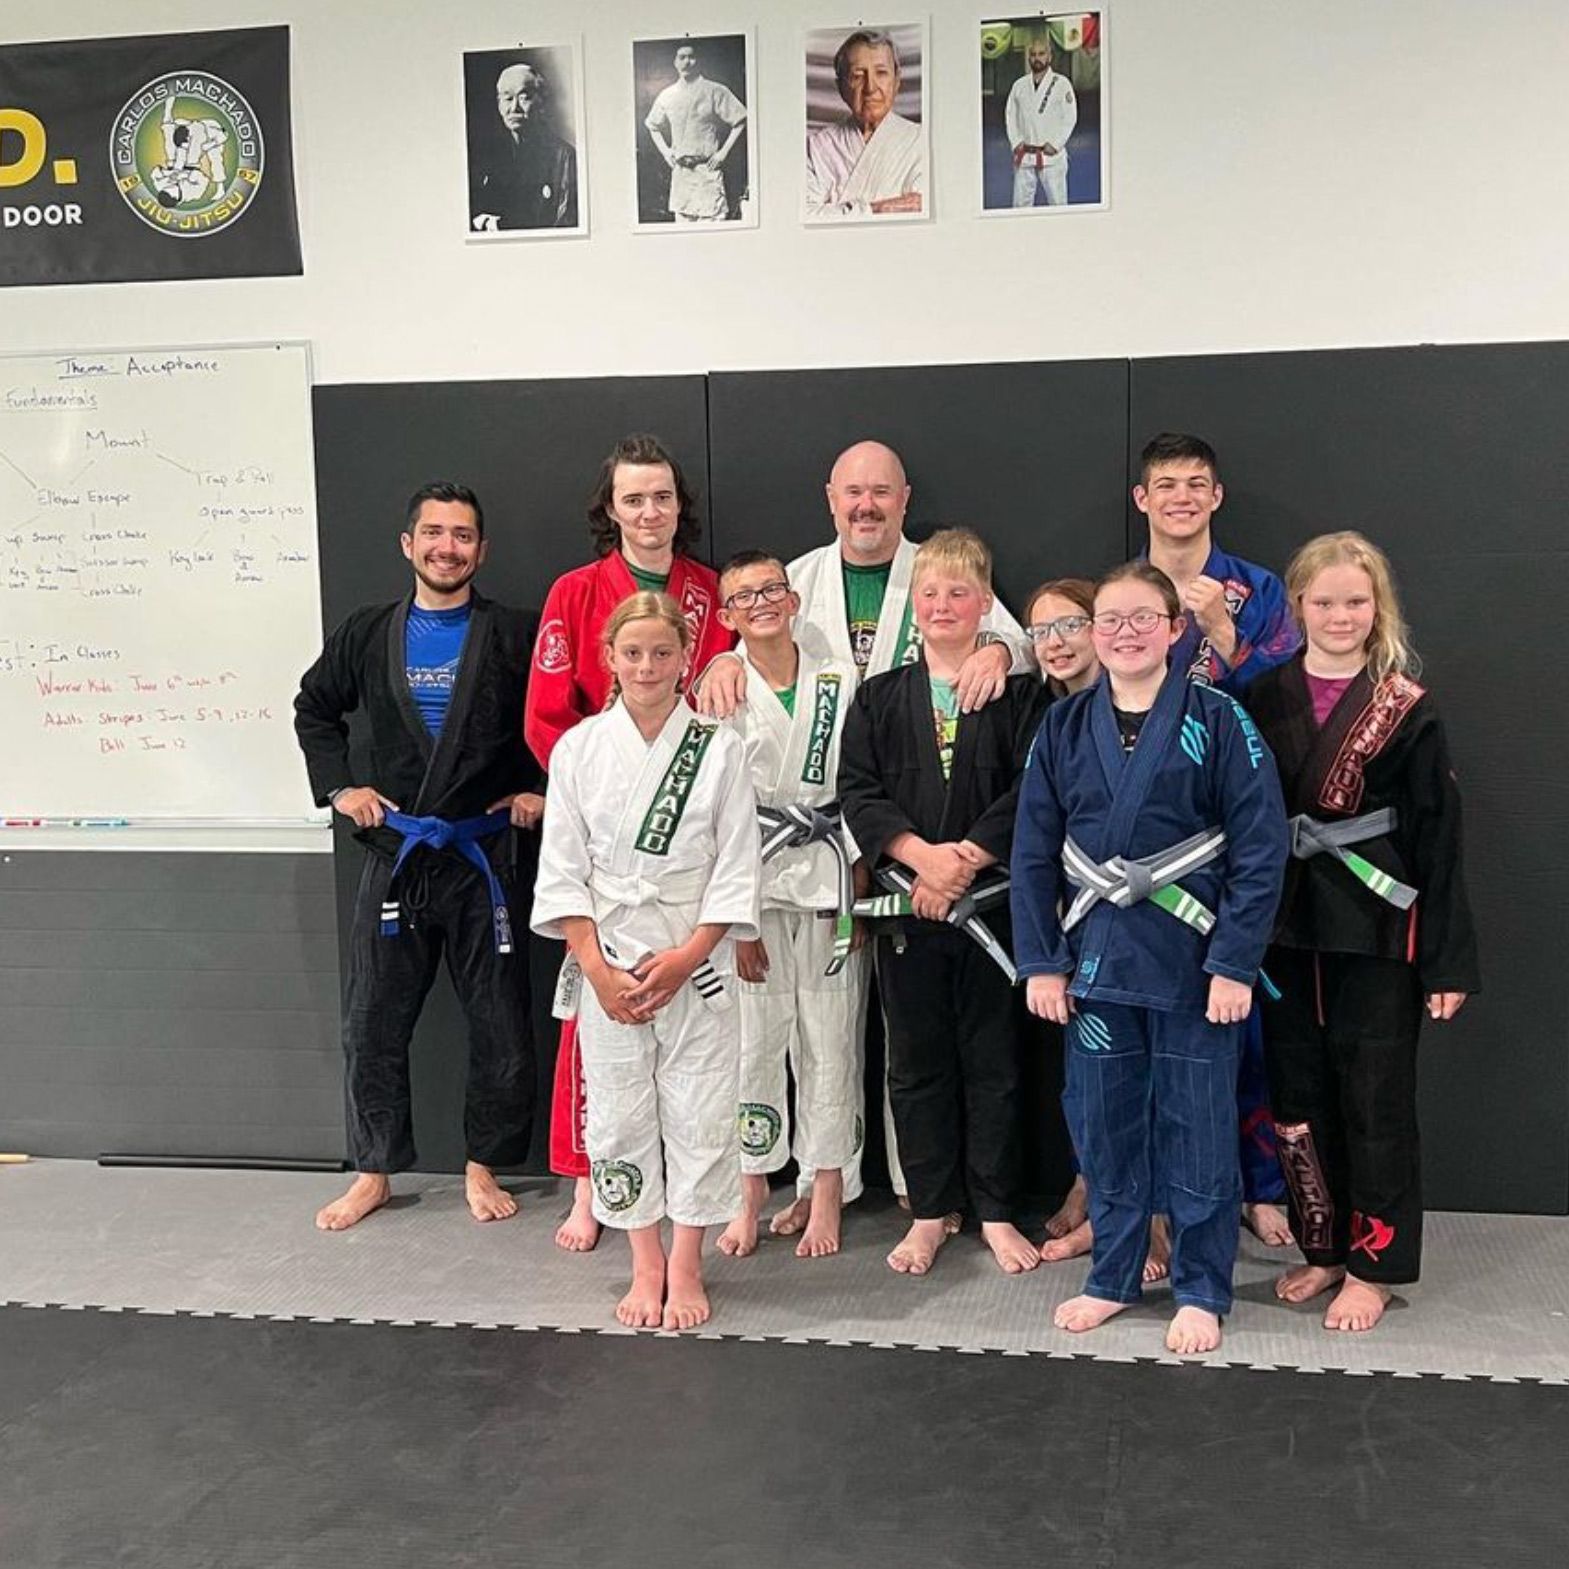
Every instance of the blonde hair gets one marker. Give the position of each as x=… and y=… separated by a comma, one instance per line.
x=644, y=605
x=960, y=551
x=1389, y=650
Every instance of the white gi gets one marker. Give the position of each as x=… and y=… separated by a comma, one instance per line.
x=696, y=118
x=818, y=577
x=650, y=841
x=846, y=172
x=823, y=623
x=1040, y=115
x=800, y=1012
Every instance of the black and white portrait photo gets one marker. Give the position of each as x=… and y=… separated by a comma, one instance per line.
x=526, y=163
x=692, y=100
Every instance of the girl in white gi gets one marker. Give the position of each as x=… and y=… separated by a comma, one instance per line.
x=803, y=993
x=649, y=870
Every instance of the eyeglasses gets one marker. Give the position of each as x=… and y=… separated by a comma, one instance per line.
x=1109, y=622
x=745, y=598
x=1064, y=627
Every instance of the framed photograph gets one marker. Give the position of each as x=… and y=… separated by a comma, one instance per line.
x=527, y=164
x=1043, y=121
x=692, y=101
x=868, y=125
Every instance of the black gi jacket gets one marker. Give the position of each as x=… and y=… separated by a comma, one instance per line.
x=1377, y=749
x=890, y=776
x=480, y=756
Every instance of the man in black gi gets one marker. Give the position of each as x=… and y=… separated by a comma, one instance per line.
x=528, y=180
x=439, y=678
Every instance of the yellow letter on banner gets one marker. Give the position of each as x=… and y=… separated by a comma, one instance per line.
x=31, y=129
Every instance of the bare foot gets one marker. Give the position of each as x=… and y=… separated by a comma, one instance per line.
x=1157, y=1262
x=487, y=1199
x=1357, y=1307
x=739, y=1238
x=579, y=1231
x=367, y=1193
x=686, y=1302
x=1193, y=1331
x=1074, y=1212
x=914, y=1255
x=792, y=1219
x=1014, y=1252
x=821, y=1237
x=1071, y=1245
x=1307, y=1281
x=643, y=1305
x=1078, y=1314
x=1269, y=1223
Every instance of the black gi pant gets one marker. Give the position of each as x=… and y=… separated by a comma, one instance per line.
x=1340, y=1048
x=953, y=1072
x=445, y=911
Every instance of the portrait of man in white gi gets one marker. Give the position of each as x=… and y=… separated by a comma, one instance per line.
x=695, y=139
x=526, y=165
x=1042, y=113
x=868, y=151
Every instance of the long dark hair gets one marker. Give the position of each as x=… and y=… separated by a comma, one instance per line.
x=640, y=449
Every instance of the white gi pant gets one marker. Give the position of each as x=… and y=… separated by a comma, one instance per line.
x=662, y=1112
x=853, y=1186
x=1051, y=177
x=816, y=1022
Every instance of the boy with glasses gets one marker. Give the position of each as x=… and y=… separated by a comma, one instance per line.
x=803, y=991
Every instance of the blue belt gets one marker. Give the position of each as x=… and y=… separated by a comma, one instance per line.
x=462, y=836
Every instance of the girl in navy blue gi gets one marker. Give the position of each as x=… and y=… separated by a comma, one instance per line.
x=1147, y=863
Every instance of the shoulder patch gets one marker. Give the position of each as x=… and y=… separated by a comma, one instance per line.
x=552, y=651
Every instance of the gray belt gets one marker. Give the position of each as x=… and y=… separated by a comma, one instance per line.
x=795, y=828
x=1124, y=880
x=1310, y=837
x=986, y=893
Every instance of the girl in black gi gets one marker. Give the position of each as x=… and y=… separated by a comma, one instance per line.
x=1374, y=920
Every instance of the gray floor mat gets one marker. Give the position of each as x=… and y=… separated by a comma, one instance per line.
x=1494, y=1302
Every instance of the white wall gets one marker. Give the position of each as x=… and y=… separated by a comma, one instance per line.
x=1283, y=176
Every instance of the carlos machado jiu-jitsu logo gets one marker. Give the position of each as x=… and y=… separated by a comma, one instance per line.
x=187, y=153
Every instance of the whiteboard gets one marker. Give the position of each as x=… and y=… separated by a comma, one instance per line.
x=159, y=589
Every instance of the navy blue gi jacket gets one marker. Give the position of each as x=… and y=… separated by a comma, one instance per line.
x=1199, y=764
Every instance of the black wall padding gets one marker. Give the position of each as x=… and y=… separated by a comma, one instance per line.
x=1451, y=459
x=1447, y=457
x=1031, y=455
x=531, y=451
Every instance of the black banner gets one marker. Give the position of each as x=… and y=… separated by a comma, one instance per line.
x=156, y=157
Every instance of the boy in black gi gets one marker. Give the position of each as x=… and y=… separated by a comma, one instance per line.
x=929, y=794
x=440, y=678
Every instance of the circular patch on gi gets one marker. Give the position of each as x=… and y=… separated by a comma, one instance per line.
x=618, y=1183
x=552, y=652
x=760, y=1127
x=186, y=153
